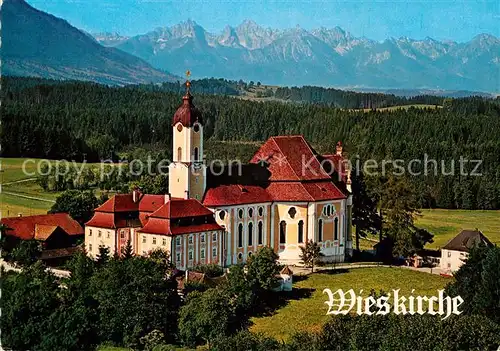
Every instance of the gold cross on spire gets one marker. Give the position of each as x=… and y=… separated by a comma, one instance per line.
x=188, y=83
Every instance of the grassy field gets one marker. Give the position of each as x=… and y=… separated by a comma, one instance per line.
x=19, y=189
x=20, y=193
x=12, y=170
x=309, y=312
x=404, y=107
x=445, y=224
x=11, y=206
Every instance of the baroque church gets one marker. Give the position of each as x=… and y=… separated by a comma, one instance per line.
x=285, y=196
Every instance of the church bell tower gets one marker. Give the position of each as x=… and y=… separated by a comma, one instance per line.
x=187, y=172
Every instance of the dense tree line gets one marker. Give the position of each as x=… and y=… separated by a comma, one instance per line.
x=74, y=120
x=114, y=300
x=351, y=99
x=379, y=333
x=128, y=301
x=132, y=301
x=216, y=86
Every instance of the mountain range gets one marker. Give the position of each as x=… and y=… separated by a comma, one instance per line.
x=38, y=44
x=35, y=43
x=323, y=56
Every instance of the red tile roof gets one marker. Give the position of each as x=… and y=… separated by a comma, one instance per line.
x=296, y=175
x=119, y=203
x=226, y=195
x=25, y=227
x=102, y=220
x=288, y=191
x=150, y=203
x=125, y=203
x=163, y=226
x=181, y=208
x=160, y=222
x=321, y=191
x=44, y=231
x=304, y=191
x=156, y=226
x=290, y=158
x=111, y=213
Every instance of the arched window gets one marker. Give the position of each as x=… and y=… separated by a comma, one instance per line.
x=240, y=235
x=336, y=228
x=282, y=232
x=222, y=214
x=261, y=232
x=292, y=212
x=261, y=211
x=320, y=230
x=250, y=212
x=250, y=234
x=301, y=231
x=196, y=156
x=179, y=154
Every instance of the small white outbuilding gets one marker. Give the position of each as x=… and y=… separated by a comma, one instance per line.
x=286, y=275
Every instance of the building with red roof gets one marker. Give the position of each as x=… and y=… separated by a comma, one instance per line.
x=58, y=233
x=286, y=195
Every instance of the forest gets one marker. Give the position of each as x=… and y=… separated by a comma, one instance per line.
x=132, y=301
x=349, y=99
x=77, y=120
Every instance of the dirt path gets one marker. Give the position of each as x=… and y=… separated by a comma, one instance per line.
x=57, y=272
x=19, y=181
x=28, y=197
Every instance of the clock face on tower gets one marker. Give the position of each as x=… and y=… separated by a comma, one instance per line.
x=179, y=127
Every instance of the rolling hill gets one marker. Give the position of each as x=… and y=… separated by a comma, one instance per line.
x=38, y=44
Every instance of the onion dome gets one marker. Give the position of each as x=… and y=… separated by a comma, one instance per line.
x=187, y=114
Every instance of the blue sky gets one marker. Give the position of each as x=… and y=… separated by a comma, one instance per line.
x=458, y=20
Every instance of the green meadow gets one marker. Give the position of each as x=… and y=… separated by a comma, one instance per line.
x=306, y=309
x=446, y=224
x=20, y=192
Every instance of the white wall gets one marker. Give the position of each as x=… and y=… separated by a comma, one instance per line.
x=451, y=260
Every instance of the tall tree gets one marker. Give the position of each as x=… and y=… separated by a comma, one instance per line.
x=399, y=208
x=310, y=254
x=262, y=269
x=127, y=251
x=79, y=204
x=28, y=300
x=103, y=255
x=365, y=216
x=134, y=297
x=478, y=283
x=27, y=252
x=205, y=316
